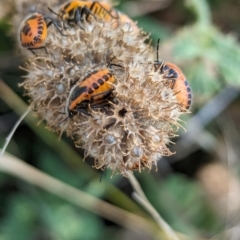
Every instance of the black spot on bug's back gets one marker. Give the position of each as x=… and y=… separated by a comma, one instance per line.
x=77, y=92
x=189, y=95
x=189, y=104
x=95, y=86
x=165, y=68
x=40, y=32
x=40, y=27
x=26, y=29
x=172, y=73
x=105, y=77
x=100, y=81
x=186, y=83
x=41, y=23
x=188, y=89
x=90, y=91
x=40, y=20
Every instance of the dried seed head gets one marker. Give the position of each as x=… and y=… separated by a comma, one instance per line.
x=136, y=129
x=133, y=128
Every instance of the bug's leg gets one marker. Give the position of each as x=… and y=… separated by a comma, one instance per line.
x=116, y=65
x=83, y=108
x=49, y=24
x=31, y=50
x=78, y=17
x=43, y=47
x=84, y=112
x=52, y=11
x=104, y=95
x=52, y=21
x=87, y=12
x=46, y=51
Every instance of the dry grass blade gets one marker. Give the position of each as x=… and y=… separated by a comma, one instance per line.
x=23, y=171
x=9, y=137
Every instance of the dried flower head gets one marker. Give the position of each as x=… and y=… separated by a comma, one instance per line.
x=134, y=132
x=129, y=130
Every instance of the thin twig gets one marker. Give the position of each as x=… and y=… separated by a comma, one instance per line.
x=9, y=137
x=140, y=197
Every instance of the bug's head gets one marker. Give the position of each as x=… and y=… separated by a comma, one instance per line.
x=71, y=114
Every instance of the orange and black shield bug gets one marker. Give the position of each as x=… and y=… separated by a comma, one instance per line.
x=95, y=89
x=179, y=83
x=78, y=11
x=34, y=30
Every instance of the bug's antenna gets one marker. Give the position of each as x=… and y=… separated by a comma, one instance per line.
x=53, y=11
x=114, y=64
x=158, y=48
x=109, y=64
